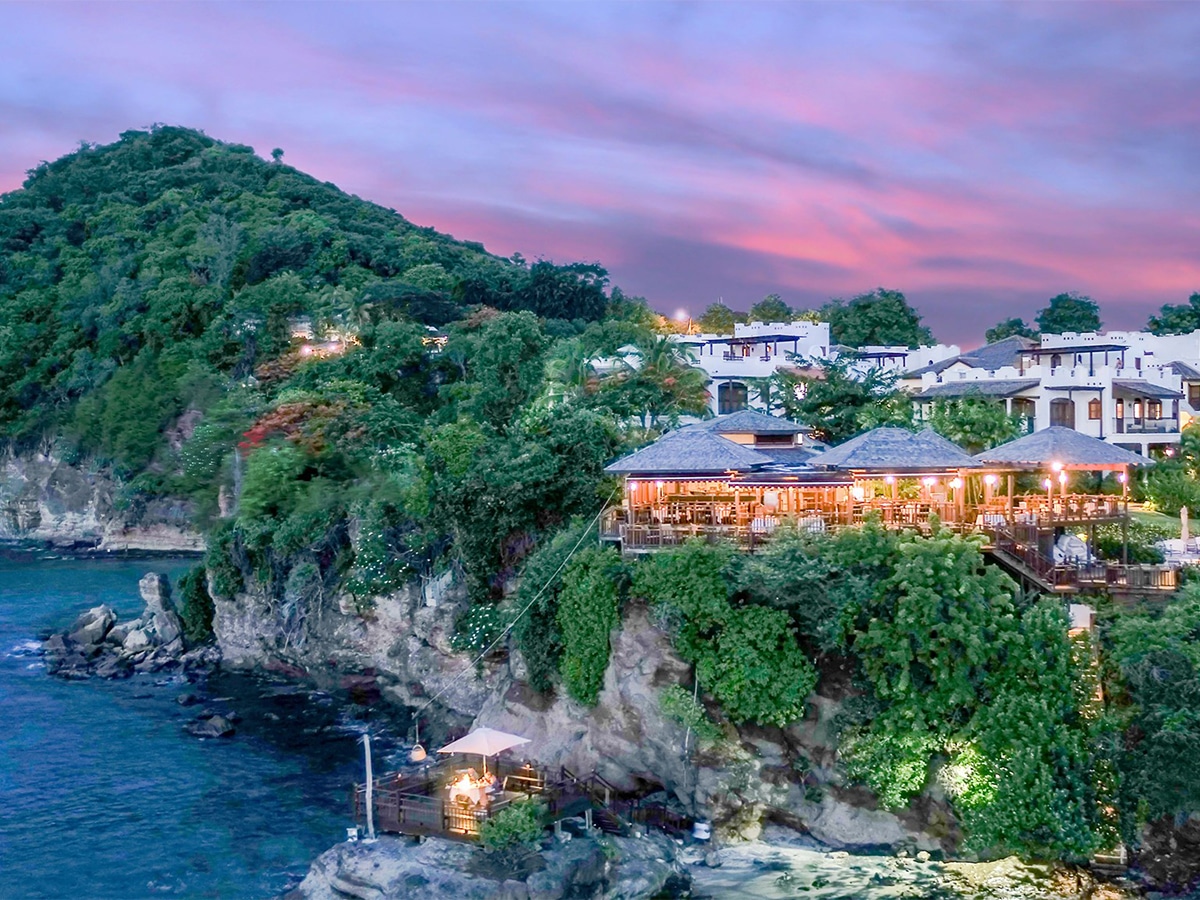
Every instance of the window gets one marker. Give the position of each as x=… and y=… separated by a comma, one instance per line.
x=1062, y=413
x=1194, y=396
x=732, y=397
x=1095, y=410
x=1153, y=409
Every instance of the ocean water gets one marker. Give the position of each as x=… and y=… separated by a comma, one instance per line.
x=103, y=795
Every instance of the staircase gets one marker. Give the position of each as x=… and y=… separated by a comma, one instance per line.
x=610, y=813
x=1021, y=558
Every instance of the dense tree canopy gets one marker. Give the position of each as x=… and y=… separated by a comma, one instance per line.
x=1069, y=312
x=717, y=319
x=878, y=318
x=171, y=241
x=974, y=423
x=1176, y=318
x=1013, y=327
x=839, y=403
x=770, y=308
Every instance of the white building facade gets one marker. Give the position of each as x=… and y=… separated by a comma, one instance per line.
x=1133, y=389
x=737, y=364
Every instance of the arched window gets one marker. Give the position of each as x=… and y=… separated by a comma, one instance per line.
x=732, y=396
x=1062, y=413
x=1055, y=361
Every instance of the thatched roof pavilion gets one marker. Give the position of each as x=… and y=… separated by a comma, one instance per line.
x=897, y=451
x=1062, y=448
x=689, y=451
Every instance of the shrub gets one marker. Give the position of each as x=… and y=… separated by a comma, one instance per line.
x=587, y=614
x=479, y=627
x=196, y=606
x=227, y=577
x=1142, y=539
x=747, y=657
x=678, y=705
x=513, y=831
x=756, y=670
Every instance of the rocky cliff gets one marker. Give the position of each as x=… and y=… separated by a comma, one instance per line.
x=401, y=647
x=43, y=498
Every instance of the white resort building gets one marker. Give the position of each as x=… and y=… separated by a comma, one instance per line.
x=1133, y=389
x=735, y=363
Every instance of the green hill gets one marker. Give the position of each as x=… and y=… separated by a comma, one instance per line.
x=170, y=251
x=213, y=327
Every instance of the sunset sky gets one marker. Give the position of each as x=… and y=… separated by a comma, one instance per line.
x=981, y=158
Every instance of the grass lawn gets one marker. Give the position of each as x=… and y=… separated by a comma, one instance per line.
x=1153, y=518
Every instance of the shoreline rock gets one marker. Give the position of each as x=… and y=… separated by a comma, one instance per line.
x=47, y=501
x=394, y=867
x=97, y=645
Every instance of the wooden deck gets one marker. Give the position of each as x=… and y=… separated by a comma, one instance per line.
x=418, y=803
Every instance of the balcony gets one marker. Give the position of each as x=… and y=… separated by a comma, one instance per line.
x=1145, y=426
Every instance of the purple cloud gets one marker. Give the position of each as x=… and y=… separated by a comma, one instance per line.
x=980, y=157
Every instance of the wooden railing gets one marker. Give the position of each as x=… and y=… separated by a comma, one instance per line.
x=1041, y=510
x=413, y=804
x=1019, y=544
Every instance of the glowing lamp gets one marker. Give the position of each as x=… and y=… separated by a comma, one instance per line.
x=989, y=480
x=1047, y=484
x=858, y=493
x=889, y=479
x=929, y=482
x=1121, y=478
x=771, y=499
x=659, y=485
x=1062, y=477
x=1056, y=466
x=956, y=483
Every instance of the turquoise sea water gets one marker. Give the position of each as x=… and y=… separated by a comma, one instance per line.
x=102, y=794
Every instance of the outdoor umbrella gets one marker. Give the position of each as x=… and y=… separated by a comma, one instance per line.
x=486, y=742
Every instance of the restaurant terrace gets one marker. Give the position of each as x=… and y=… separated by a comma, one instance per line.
x=745, y=478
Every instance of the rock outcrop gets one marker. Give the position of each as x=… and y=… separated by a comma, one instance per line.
x=96, y=644
x=741, y=783
x=395, y=868
x=399, y=646
x=44, y=499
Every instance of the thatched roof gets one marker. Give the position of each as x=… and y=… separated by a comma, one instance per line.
x=689, y=451
x=997, y=387
x=896, y=450
x=1060, y=445
x=749, y=421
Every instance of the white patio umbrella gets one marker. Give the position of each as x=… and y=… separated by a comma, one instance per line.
x=486, y=742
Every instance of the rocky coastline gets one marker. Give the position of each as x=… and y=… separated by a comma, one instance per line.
x=97, y=645
x=48, y=502
x=782, y=821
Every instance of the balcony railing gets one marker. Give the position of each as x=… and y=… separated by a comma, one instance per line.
x=1044, y=511
x=1146, y=426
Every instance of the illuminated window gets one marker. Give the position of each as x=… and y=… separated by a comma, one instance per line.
x=1094, y=409
x=1153, y=409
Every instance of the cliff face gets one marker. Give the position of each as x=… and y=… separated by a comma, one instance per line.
x=43, y=498
x=750, y=777
x=401, y=646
